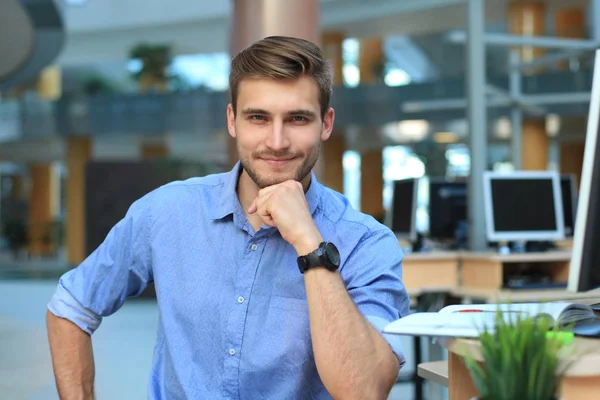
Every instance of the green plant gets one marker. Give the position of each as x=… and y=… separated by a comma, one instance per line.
x=16, y=234
x=97, y=84
x=155, y=60
x=520, y=359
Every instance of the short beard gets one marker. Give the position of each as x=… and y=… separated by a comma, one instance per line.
x=301, y=172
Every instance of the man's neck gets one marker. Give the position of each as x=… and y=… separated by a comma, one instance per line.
x=247, y=191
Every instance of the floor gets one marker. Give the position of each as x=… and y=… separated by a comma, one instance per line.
x=121, y=365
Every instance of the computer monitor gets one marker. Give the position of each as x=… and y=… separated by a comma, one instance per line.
x=584, y=272
x=401, y=218
x=523, y=206
x=447, y=208
x=568, y=189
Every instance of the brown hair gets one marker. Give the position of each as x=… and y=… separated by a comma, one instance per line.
x=282, y=58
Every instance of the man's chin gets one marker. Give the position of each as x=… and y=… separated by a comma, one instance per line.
x=266, y=181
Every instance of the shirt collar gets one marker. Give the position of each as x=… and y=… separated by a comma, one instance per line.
x=226, y=201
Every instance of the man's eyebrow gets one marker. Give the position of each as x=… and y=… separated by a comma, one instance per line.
x=248, y=111
x=305, y=113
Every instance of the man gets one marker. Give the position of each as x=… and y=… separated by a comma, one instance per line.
x=269, y=285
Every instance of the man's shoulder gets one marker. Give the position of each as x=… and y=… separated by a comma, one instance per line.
x=338, y=210
x=196, y=188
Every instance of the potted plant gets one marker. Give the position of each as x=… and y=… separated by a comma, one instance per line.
x=15, y=231
x=520, y=359
x=155, y=60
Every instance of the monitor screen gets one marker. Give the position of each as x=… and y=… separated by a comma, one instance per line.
x=403, y=211
x=569, y=196
x=523, y=206
x=447, y=207
x=584, y=271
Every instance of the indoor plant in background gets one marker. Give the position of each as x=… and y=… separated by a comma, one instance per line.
x=520, y=359
x=155, y=61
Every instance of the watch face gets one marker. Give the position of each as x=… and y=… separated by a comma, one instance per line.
x=302, y=264
x=333, y=254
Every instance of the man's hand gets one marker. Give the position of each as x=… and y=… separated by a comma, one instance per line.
x=284, y=206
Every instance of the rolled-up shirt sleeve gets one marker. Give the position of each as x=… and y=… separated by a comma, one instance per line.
x=119, y=268
x=373, y=276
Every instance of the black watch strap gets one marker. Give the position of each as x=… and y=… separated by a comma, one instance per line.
x=326, y=255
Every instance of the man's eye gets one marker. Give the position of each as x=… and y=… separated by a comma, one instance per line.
x=257, y=117
x=299, y=118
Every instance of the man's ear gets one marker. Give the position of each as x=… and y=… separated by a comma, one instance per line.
x=230, y=120
x=327, y=124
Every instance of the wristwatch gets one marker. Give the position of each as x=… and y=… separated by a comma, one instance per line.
x=327, y=256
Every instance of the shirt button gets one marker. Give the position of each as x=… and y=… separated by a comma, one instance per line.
x=240, y=299
x=254, y=247
x=232, y=352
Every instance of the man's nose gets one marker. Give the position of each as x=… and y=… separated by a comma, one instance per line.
x=278, y=139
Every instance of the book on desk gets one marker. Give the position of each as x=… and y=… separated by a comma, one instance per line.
x=468, y=321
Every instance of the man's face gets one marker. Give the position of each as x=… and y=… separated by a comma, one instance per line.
x=278, y=128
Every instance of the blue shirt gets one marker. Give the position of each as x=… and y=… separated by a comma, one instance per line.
x=233, y=313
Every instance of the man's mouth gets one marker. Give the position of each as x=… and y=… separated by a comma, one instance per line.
x=277, y=161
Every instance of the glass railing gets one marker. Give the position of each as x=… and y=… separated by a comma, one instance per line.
x=202, y=112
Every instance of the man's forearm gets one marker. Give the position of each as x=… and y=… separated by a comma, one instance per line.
x=353, y=359
x=72, y=358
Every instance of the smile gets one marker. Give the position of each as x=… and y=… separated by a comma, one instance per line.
x=277, y=162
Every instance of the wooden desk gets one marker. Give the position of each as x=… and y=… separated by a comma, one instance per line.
x=435, y=371
x=581, y=381
x=487, y=270
x=430, y=271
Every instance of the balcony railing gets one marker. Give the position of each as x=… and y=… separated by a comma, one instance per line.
x=203, y=113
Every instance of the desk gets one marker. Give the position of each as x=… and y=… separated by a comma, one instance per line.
x=487, y=270
x=435, y=271
x=435, y=371
x=581, y=381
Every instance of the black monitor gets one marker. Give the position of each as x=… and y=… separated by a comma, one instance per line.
x=584, y=272
x=401, y=218
x=568, y=188
x=523, y=206
x=447, y=208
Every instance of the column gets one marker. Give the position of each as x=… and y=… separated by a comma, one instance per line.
x=256, y=19
x=44, y=197
x=330, y=167
x=527, y=18
x=49, y=83
x=571, y=158
x=370, y=61
x=371, y=183
x=534, y=145
x=154, y=150
x=79, y=151
x=477, y=117
x=570, y=23
x=44, y=201
x=332, y=162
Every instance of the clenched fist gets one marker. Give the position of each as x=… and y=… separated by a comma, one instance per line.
x=284, y=206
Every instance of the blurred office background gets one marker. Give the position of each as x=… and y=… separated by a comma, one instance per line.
x=102, y=101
